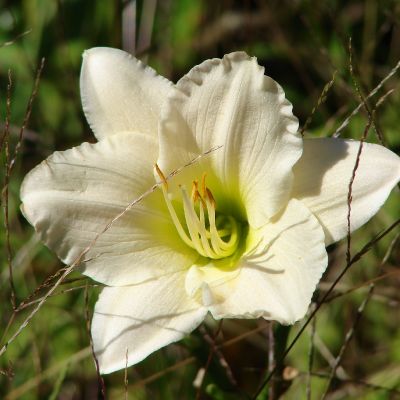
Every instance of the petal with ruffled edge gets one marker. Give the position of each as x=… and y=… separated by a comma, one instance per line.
x=231, y=103
x=138, y=320
x=275, y=279
x=71, y=197
x=119, y=93
x=322, y=178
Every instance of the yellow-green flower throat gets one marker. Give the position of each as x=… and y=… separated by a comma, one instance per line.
x=211, y=235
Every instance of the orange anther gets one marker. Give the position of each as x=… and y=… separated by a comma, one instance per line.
x=211, y=197
x=194, y=192
x=203, y=184
x=161, y=175
x=201, y=199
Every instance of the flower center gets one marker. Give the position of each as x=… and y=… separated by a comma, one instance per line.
x=211, y=234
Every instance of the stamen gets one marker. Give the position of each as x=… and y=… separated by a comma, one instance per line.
x=171, y=210
x=211, y=197
x=196, y=228
x=194, y=192
x=218, y=244
x=200, y=197
x=161, y=175
x=203, y=184
x=203, y=234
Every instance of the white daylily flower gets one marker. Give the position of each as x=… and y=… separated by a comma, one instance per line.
x=241, y=233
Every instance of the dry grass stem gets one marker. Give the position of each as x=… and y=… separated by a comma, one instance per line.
x=28, y=113
x=10, y=42
x=355, y=259
x=310, y=356
x=5, y=141
x=372, y=93
x=347, y=339
x=102, y=386
x=81, y=256
x=321, y=100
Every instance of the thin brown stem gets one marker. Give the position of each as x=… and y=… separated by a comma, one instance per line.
x=27, y=114
x=126, y=381
x=5, y=195
x=321, y=100
x=311, y=357
x=84, y=252
x=101, y=387
x=347, y=339
x=355, y=259
x=271, y=359
x=372, y=93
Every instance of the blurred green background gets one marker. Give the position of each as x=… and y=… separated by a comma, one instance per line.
x=301, y=44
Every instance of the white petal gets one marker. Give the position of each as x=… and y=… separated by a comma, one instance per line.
x=70, y=197
x=230, y=102
x=322, y=178
x=119, y=93
x=277, y=279
x=141, y=319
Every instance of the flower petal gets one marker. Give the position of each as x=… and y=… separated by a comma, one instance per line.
x=277, y=279
x=119, y=93
x=71, y=197
x=322, y=178
x=230, y=102
x=141, y=319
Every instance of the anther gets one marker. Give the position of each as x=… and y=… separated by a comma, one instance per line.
x=203, y=184
x=194, y=192
x=200, y=230
x=161, y=175
x=211, y=198
x=201, y=199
